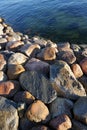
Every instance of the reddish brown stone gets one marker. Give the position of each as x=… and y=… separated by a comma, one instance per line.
x=37, y=111
x=83, y=65
x=77, y=70
x=9, y=88
x=62, y=122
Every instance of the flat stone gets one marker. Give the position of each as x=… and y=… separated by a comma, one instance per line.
x=65, y=82
x=80, y=110
x=2, y=62
x=8, y=115
x=17, y=58
x=83, y=81
x=77, y=70
x=3, y=76
x=47, y=54
x=40, y=87
x=9, y=88
x=67, y=56
x=37, y=112
x=29, y=49
x=14, y=46
x=61, y=122
x=61, y=106
x=14, y=70
x=24, y=96
x=83, y=65
x=37, y=65
x=78, y=125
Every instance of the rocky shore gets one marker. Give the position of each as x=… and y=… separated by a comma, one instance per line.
x=43, y=85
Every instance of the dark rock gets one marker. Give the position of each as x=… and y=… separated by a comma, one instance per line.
x=83, y=81
x=40, y=127
x=38, y=86
x=83, y=65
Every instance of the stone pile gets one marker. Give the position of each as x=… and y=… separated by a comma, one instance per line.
x=43, y=85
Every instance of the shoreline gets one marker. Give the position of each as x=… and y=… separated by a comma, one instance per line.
x=43, y=85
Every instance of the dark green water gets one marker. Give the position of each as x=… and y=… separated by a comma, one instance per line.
x=58, y=20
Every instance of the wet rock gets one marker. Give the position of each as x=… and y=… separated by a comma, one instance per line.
x=14, y=70
x=2, y=62
x=83, y=65
x=65, y=82
x=47, y=54
x=24, y=96
x=37, y=112
x=38, y=65
x=83, y=81
x=38, y=86
x=3, y=76
x=9, y=88
x=14, y=46
x=77, y=70
x=40, y=127
x=17, y=58
x=62, y=122
x=61, y=106
x=8, y=115
x=67, y=56
x=80, y=110
x=78, y=125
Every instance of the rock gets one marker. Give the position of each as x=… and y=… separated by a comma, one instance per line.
x=14, y=37
x=14, y=45
x=37, y=65
x=75, y=48
x=3, y=42
x=40, y=127
x=2, y=62
x=67, y=56
x=14, y=70
x=84, y=53
x=63, y=46
x=8, y=115
x=24, y=96
x=83, y=81
x=37, y=112
x=83, y=65
x=77, y=70
x=51, y=44
x=61, y=106
x=65, y=82
x=40, y=87
x=6, y=54
x=78, y=125
x=21, y=107
x=1, y=29
x=47, y=54
x=17, y=58
x=80, y=110
x=3, y=76
x=29, y=50
x=40, y=41
x=62, y=122
x=25, y=122
x=1, y=20
x=9, y=88
x=8, y=29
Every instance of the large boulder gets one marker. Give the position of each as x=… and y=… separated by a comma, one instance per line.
x=38, y=86
x=65, y=82
x=8, y=115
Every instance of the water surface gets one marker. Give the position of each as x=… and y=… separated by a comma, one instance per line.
x=58, y=20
